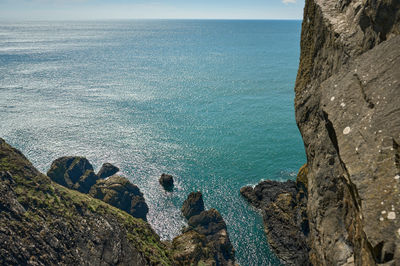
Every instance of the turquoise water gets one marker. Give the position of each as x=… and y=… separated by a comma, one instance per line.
x=210, y=102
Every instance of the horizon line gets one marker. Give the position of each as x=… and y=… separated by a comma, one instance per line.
x=122, y=19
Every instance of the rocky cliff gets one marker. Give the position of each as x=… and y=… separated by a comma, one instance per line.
x=45, y=222
x=347, y=109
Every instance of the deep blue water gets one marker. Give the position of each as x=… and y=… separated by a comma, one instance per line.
x=210, y=102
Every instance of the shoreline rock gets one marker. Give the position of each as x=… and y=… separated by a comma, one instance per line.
x=205, y=241
x=71, y=172
x=44, y=223
x=193, y=205
x=283, y=206
x=121, y=193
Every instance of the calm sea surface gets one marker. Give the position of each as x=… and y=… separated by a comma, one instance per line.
x=210, y=102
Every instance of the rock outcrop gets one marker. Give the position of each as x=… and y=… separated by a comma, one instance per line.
x=77, y=173
x=43, y=223
x=167, y=181
x=205, y=241
x=283, y=206
x=193, y=205
x=107, y=170
x=73, y=172
x=119, y=192
x=347, y=109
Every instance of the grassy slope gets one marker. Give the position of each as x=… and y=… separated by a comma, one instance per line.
x=46, y=201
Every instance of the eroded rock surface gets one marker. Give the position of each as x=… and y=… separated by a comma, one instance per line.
x=193, y=205
x=347, y=109
x=107, y=170
x=283, y=206
x=73, y=172
x=121, y=193
x=205, y=241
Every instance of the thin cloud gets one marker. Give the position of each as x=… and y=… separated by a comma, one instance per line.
x=289, y=2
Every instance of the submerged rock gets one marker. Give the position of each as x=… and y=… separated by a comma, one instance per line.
x=167, y=181
x=107, y=170
x=121, y=193
x=193, y=205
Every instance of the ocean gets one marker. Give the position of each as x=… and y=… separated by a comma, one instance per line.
x=208, y=101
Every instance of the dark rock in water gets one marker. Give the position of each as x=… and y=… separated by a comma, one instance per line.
x=167, y=181
x=283, y=205
x=121, y=193
x=193, y=205
x=72, y=172
x=43, y=223
x=205, y=241
x=107, y=170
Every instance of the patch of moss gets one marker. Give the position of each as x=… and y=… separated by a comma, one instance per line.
x=302, y=176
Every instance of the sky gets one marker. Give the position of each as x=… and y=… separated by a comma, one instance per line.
x=149, y=9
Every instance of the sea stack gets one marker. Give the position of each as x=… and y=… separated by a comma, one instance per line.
x=167, y=181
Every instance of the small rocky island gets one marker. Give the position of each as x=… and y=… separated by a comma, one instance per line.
x=74, y=216
x=167, y=182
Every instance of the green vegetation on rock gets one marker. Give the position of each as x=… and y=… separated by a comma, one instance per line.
x=45, y=223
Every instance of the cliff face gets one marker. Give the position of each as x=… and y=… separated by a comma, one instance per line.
x=348, y=112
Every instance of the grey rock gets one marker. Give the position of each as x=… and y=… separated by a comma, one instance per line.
x=121, y=193
x=205, y=241
x=73, y=172
x=193, y=205
x=8, y=200
x=167, y=181
x=107, y=170
x=285, y=218
x=86, y=181
x=347, y=98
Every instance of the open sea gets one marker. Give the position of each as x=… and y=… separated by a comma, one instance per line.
x=208, y=101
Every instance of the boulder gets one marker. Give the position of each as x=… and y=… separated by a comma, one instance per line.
x=122, y=194
x=193, y=205
x=107, y=170
x=68, y=171
x=167, y=181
